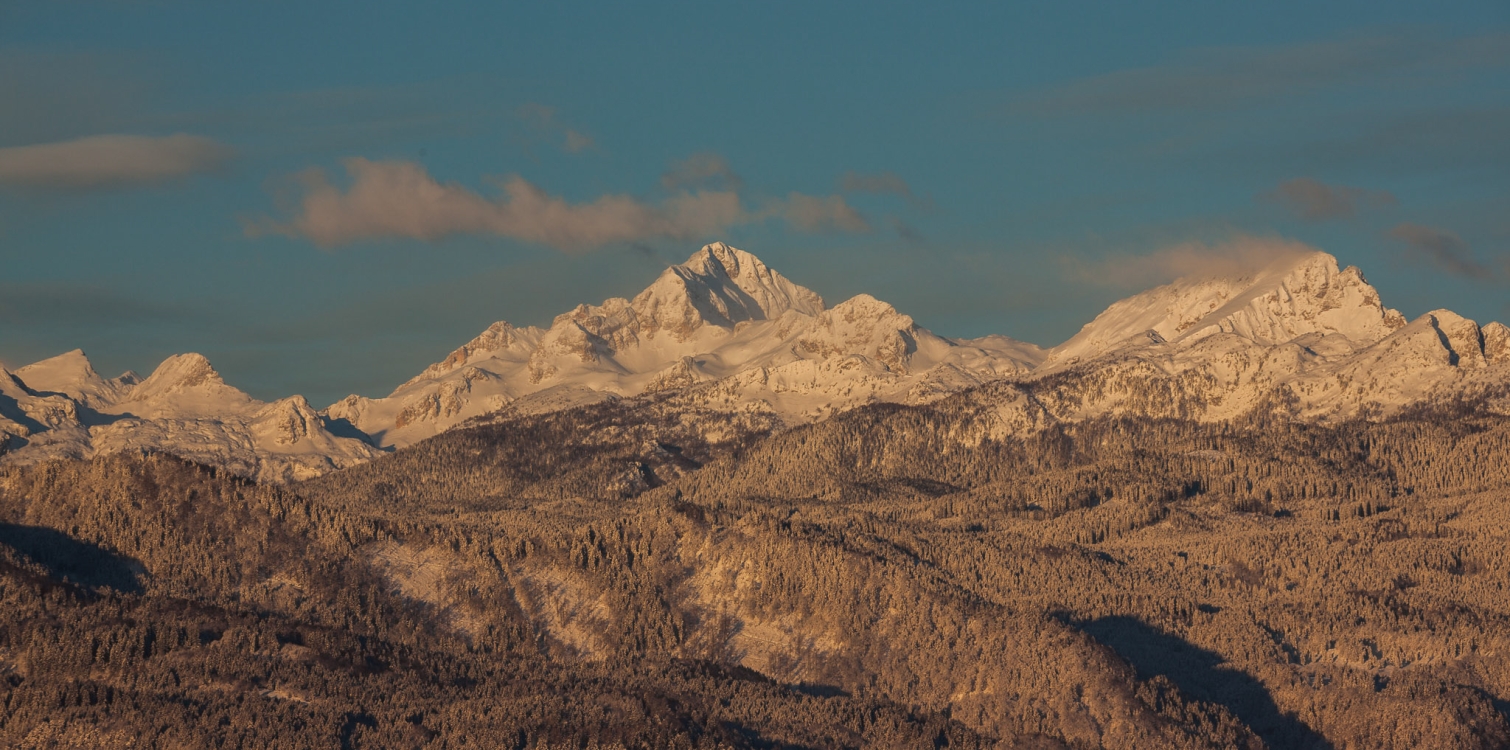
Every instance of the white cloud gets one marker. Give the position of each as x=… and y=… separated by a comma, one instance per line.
x=818, y=213
x=399, y=199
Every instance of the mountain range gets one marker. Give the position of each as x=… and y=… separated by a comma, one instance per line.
x=1298, y=338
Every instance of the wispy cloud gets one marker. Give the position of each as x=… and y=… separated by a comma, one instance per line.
x=576, y=142
x=905, y=230
x=881, y=183
x=400, y=199
x=1410, y=141
x=1442, y=248
x=1313, y=200
x=1244, y=254
x=537, y=115
x=545, y=120
x=819, y=213
x=1228, y=77
x=110, y=161
x=702, y=170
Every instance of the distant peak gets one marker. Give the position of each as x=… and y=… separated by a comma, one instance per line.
x=863, y=306
x=497, y=336
x=721, y=285
x=295, y=403
x=865, y=299
x=69, y=373
x=1268, y=298
x=720, y=257
x=75, y=359
x=183, y=371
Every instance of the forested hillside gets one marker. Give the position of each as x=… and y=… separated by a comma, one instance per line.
x=611, y=576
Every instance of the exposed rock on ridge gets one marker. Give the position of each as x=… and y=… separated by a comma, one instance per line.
x=184, y=408
x=723, y=326
x=1291, y=297
x=1300, y=338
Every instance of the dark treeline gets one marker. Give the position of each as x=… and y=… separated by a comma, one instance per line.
x=253, y=621
x=632, y=574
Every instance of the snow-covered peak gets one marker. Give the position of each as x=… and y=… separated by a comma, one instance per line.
x=1461, y=337
x=1300, y=336
x=1294, y=295
x=72, y=375
x=12, y=386
x=496, y=338
x=1497, y=343
x=1030, y=355
x=60, y=372
x=179, y=372
x=863, y=325
x=184, y=385
x=863, y=313
x=286, y=421
x=722, y=286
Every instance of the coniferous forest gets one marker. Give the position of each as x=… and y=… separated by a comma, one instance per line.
x=610, y=577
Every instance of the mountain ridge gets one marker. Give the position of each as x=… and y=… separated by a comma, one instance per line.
x=1299, y=336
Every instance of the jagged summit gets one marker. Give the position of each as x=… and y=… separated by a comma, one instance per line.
x=721, y=286
x=1294, y=295
x=54, y=373
x=1496, y=342
x=1297, y=335
x=495, y=338
x=721, y=316
x=71, y=374
x=181, y=371
x=62, y=408
x=864, y=325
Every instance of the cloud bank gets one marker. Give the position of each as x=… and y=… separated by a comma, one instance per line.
x=1314, y=200
x=399, y=199
x=110, y=161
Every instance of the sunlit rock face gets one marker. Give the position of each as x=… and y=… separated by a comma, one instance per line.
x=723, y=326
x=1299, y=337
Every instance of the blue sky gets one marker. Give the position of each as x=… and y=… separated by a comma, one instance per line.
x=323, y=198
